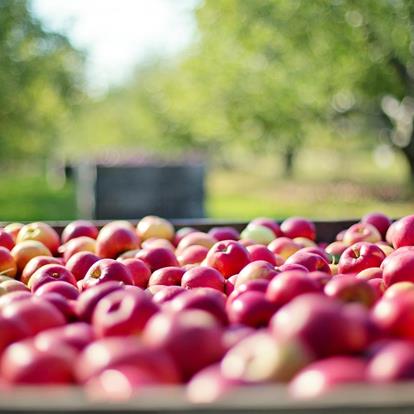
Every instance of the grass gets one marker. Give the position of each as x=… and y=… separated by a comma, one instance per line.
x=327, y=185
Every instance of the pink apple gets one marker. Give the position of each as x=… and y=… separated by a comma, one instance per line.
x=393, y=362
x=15, y=296
x=76, y=245
x=170, y=275
x=360, y=256
x=321, y=278
x=230, y=284
x=322, y=376
x=260, y=252
x=123, y=313
x=192, y=338
x=256, y=270
x=207, y=299
x=361, y=232
x=298, y=227
x=50, y=273
x=80, y=263
x=167, y=293
x=65, y=289
x=224, y=233
x=228, y=257
x=284, y=247
x=192, y=255
x=258, y=234
x=6, y=240
x=41, y=232
x=348, y=288
x=36, y=263
x=34, y=313
x=203, y=276
x=87, y=301
x=157, y=257
x=398, y=267
x=402, y=232
x=8, y=266
x=181, y=233
x=311, y=261
x=378, y=220
x=13, y=229
x=336, y=249
x=114, y=240
x=370, y=273
x=11, y=330
x=251, y=308
x=66, y=307
x=287, y=285
x=106, y=270
x=317, y=250
x=397, y=288
x=79, y=228
x=195, y=238
x=22, y=363
x=139, y=270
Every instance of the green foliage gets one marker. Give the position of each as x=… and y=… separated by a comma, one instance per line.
x=40, y=81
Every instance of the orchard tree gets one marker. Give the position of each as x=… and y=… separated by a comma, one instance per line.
x=40, y=82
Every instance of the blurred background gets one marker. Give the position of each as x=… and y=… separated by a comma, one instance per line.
x=290, y=107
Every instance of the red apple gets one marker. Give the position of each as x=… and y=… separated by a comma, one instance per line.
x=41, y=232
x=228, y=257
x=251, y=308
x=139, y=270
x=260, y=358
x=378, y=220
x=292, y=266
x=76, y=335
x=224, y=233
x=298, y=227
x=402, y=232
x=311, y=261
x=207, y=299
x=236, y=333
x=287, y=285
x=26, y=250
x=114, y=240
x=203, y=276
x=370, y=273
x=157, y=257
x=390, y=232
x=123, y=313
x=15, y=296
x=335, y=250
x=181, y=233
x=114, y=352
x=192, y=255
x=395, y=315
x=317, y=250
x=269, y=223
x=378, y=286
x=284, y=247
x=156, y=242
x=348, y=288
x=260, y=252
x=230, y=284
x=11, y=330
x=12, y=285
x=36, y=263
x=6, y=240
x=321, y=278
x=168, y=276
x=80, y=263
x=8, y=266
x=79, y=228
x=360, y=256
x=106, y=270
x=393, y=362
x=256, y=270
x=167, y=293
x=35, y=314
x=192, y=338
x=13, y=229
x=76, y=245
x=260, y=285
x=322, y=376
x=397, y=288
x=66, y=308
x=50, y=273
x=318, y=322
x=361, y=232
x=195, y=238
x=398, y=267
x=87, y=301
x=153, y=226
x=23, y=363
x=65, y=289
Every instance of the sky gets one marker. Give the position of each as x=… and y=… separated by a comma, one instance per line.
x=118, y=34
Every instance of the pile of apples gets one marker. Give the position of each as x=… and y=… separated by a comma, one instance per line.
x=126, y=307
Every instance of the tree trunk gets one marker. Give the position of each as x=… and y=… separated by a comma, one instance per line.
x=288, y=162
x=408, y=152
